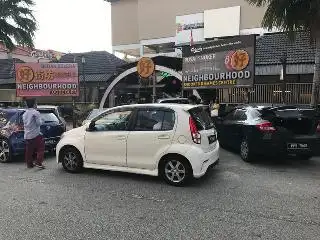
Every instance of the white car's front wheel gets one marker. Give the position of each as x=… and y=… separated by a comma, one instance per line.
x=71, y=160
x=176, y=171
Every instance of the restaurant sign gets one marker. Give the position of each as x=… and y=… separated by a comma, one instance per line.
x=220, y=64
x=47, y=79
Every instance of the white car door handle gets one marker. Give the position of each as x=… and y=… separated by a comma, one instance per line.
x=121, y=137
x=164, y=137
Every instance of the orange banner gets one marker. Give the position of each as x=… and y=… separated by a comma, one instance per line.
x=47, y=79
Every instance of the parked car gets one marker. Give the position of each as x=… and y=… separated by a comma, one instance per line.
x=95, y=112
x=12, y=134
x=271, y=131
x=56, y=110
x=174, y=141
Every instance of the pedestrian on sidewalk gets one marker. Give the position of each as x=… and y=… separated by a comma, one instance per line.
x=33, y=138
x=215, y=109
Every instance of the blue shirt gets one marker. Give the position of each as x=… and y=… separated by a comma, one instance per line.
x=32, y=122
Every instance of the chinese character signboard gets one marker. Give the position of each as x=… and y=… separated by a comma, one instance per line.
x=47, y=79
x=145, y=67
x=220, y=64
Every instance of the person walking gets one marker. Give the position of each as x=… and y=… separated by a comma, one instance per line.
x=34, y=142
x=215, y=109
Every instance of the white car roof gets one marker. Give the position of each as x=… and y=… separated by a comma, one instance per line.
x=173, y=106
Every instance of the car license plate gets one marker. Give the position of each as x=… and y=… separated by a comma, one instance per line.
x=212, y=139
x=50, y=142
x=297, y=146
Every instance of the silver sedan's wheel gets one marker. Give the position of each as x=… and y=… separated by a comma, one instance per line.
x=176, y=172
x=4, y=151
x=71, y=160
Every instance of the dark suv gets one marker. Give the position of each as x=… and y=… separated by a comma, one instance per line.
x=12, y=133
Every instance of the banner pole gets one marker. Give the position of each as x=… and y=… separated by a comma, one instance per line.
x=154, y=87
x=74, y=125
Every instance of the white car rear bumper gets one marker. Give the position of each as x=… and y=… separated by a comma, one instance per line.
x=201, y=161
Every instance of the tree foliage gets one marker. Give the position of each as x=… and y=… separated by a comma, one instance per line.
x=290, y=15
x=17, y=23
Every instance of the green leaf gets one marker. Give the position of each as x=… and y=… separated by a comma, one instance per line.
x=17, y=23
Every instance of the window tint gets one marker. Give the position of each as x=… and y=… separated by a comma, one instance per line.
x=254, y=114
x=93, y=114
x=201, y=118
x=230, y=115
x=240, y=115
x=287, y=113
x=154, y=120
x=5, y=117
x=179, y=101
x=16, y=118
x=49, y=117
x=116, y=121
x=59, y=110
x=168, y=121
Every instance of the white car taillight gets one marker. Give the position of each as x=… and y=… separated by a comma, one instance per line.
x=196, y=136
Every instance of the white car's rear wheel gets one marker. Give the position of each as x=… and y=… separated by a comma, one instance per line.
x=71, y=160
x=176, y=171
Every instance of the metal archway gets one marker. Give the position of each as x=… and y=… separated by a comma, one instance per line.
x=132, y=70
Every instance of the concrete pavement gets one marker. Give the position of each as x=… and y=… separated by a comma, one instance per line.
x=237, y=200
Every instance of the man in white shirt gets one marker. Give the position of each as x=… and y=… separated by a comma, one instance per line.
x=32, y=135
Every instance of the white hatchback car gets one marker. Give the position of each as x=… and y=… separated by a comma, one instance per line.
x=174, y=141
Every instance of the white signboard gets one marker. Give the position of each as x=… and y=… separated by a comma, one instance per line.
x=189, y=28
x=222, y=22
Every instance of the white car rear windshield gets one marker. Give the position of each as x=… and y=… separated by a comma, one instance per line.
x=202, y=118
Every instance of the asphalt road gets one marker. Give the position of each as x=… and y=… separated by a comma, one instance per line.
x=267, y=200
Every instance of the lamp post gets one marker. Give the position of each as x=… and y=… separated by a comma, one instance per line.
x=83, y=61
x=283, y=77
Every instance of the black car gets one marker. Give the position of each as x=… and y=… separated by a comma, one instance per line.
x=271, y=131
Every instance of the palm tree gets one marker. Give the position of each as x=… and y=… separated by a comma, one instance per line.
x=292, y=16
x=17, y=23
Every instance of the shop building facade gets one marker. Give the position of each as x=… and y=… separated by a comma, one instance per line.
x=152, y=27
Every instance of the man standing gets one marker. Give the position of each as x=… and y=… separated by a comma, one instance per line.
x=32, y=135
x=215, y=109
